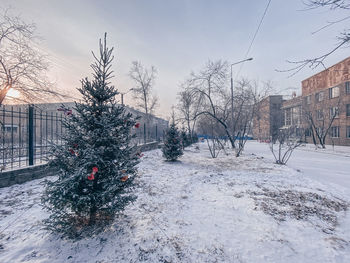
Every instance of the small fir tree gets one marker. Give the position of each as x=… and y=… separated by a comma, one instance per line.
x=96, y=165
x=172, y=148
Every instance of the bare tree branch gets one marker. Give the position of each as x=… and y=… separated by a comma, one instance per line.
x=144, y=81
x=22, y=66
x=343, y=39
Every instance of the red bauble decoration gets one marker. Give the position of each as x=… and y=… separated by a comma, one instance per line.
x=137, y=125
x=92, y=175
x=73, y=152
x=124, y=178
x=139, y=154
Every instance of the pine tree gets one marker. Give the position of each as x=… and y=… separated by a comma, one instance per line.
x=96, y=165
x=172, y=148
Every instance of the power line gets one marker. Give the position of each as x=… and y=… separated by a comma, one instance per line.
x=253, y=39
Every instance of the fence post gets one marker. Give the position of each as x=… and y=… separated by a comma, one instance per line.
x=31, y=134
x=144, y=133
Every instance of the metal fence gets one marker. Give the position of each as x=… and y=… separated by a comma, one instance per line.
x=28, y=133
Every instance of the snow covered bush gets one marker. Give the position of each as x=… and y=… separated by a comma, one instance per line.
x=96, y=166
x=286, y=140
x=172, y=148
x=215, y=146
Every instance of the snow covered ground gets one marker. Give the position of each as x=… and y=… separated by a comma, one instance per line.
x=199, y=209
x=330, y=165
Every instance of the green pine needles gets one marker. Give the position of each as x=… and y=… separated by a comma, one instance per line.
x=96, y=165
x=172, y=148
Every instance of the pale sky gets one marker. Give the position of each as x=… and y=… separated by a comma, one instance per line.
x=179, y=36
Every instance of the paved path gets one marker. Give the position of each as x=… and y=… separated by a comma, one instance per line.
x=326, y=167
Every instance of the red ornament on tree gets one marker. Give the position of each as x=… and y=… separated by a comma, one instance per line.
x=73, y=152
x=137, y=125
x=139, y=154
x=124, y=178
x=92, y=175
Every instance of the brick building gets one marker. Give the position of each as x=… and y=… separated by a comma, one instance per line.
x=326, y=99
x=323, y=106
x=292, y=114
x=268, y=117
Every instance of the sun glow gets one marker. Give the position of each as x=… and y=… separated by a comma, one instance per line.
x=12, y=93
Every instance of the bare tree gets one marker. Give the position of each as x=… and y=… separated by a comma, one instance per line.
x=287, y=140
x=321, y=119
x=188, y=106
x=246, y=97
x=22, y=65
x=144, y=81
x=343, y=39
x=208, y=126
x=210, y=85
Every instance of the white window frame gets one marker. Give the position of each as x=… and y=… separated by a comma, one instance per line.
x=319, y=96
x=335, y=132
x=308, y=99
x=318, y=115
x=334, y=92
x=347, y=87
x=332, y=111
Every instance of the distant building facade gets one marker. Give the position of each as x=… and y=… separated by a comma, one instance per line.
x=326, y=98
x=324, y=105
x=268, y=118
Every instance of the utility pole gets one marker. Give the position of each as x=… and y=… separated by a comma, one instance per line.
x=232, y=117
x=122, y=95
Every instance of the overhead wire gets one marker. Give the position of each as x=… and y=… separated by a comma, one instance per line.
x=253, y=39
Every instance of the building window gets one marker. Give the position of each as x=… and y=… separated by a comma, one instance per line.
x=333, y=92
x=333, y=112
x=348, y=132
x=287, y=117
x=319, y=96
x=308, y=132
x=296, y=112
x=298, y=132
x=319, y=114
x=8, y=128
x=334, y=132
x=347, y=87
x=347, y=110
x=275, y=106
x=308, y=99
x=319, y=130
